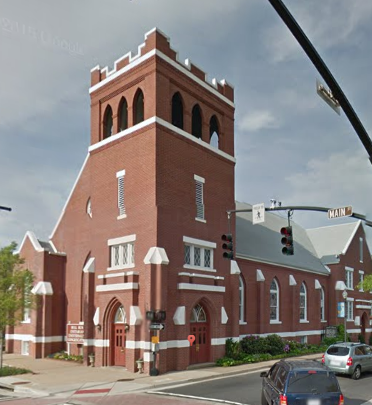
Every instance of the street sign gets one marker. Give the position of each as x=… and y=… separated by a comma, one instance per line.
x=331, y=331
x=328, y=97
x=157, y=326
x=258, y=213
x=155, y=339
x=341, y=310
x=340, y=212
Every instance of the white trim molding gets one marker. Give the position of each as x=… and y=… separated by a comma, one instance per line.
x=117, y=287
x=34, y=339
x=224, y=317
x=34, y=241
x=43, y=288
x=234, y=267
x=318, y=286
x=198, y=178
x=121, y=240
x=135, y=316
x=199, y=242
x=156, y=255
x=89, y=267
x=259, y=276
x=200, y=287
x=292, y=280
x=179, y=317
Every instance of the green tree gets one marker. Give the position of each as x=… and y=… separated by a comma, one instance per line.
x=15, y=291
x=367, y=283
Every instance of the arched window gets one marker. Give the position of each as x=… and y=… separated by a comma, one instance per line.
x=198, y=314
x=274, y=301
x=241, y=300
x=177, y=110
x=196, y=123
x=214, y=137
x=303, y=302
x=138, y=107
x=107, y=123
x=120, y=316
x=322, y=305
x=123, y=115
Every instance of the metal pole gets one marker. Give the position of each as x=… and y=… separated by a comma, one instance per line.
x=345, y=323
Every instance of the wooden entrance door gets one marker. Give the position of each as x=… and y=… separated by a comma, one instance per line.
x=199, y=327
x=119, y=344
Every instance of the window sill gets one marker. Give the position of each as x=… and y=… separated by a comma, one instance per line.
x=129, y=266
x=201, y=220
x=188, y=266
x=27, y=321
x=275, y=322
x=122, y=216
x=323, y=321
x=349, y=320
x=349, y=289
x=304, y=321
x=243, y=323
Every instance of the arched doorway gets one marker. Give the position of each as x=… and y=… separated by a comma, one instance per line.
x=364, y=324
x=118, y=337
x=199, y=327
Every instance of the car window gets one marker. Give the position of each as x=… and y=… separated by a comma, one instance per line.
x=358, y=351
x=273, y=371
x=338, y=351
x=281, y=376
x=366, y=350
x=312, y=382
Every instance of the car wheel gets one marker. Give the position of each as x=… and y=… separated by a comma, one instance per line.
x=357, y=373
x=263, y=399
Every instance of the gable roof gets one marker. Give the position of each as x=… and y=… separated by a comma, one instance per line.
x=330, y=241
x=262, y=242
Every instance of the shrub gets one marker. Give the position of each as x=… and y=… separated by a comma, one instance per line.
x=275, y=344
x=254, y=345
x=67, y=357
x=232, y=349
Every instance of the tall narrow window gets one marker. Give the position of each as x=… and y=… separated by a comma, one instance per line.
x=214, y=132
x=303, y=303
x=322, y=304
x=121, y=204
x=241, y=300
x=361, y=279
x=177, y=110
x=349, y=274
x=199, y=197
x=196, y=124
x=107, y=123
x=349, y=310
x=123, y=115
x=274, y=301
x=138, y=107
x=361, y=250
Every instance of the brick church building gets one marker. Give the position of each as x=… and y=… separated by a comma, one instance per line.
x=141, y=231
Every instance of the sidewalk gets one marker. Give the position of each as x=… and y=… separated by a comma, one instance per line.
x=64, y=379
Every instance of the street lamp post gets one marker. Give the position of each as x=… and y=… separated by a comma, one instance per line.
x=344, y=296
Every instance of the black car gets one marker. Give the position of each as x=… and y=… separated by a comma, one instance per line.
x=305, y=382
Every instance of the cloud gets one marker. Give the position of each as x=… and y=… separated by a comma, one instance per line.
x=327, y=26
x=258, y=120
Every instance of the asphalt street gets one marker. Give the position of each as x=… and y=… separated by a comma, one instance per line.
x=246, y=389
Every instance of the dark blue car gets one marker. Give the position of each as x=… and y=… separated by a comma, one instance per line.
x=304, y=382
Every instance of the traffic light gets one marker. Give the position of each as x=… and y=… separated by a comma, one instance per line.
x=287, y=240
x=228, y=246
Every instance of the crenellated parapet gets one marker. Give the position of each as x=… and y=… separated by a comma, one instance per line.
x=157, y=43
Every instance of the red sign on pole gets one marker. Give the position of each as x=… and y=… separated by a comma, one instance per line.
x=75, y=334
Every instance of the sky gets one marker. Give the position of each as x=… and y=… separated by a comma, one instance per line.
x=290, y=145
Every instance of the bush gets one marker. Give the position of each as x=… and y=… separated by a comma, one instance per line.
x=6, y=371
x=232, y=349
x=275, y=344
x=67, y=357
x=254, y=345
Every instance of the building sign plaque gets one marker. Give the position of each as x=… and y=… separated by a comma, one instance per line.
x=75, y=334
